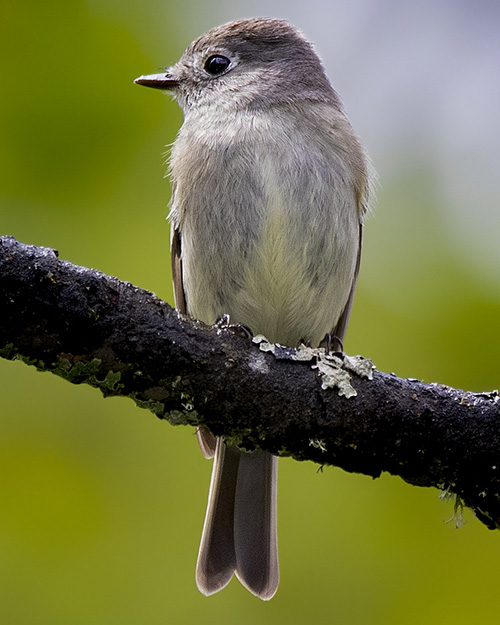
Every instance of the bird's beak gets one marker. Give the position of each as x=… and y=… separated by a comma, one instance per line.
x=166, y=81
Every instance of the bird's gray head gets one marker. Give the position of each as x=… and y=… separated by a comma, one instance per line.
x=253, y=63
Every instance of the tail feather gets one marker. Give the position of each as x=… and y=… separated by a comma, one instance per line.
x=216, y=558
x=240, y=534
x=255, y=524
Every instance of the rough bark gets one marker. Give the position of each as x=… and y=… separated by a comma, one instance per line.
x=91, y=328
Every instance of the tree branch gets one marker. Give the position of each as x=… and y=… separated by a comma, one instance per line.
x=91, y=328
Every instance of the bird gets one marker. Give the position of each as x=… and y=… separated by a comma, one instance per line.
x=270, y=186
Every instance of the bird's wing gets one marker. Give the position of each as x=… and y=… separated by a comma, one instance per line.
x=206, y=439
x=175, y=251
x=341, y=327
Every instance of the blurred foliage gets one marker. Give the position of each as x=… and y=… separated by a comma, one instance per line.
x=102, y=505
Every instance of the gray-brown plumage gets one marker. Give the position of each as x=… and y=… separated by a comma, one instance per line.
x=270, y=185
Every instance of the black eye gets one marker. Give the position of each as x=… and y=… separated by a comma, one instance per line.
x=216, y=64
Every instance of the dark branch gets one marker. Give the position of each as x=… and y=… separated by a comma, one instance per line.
x=92, y=328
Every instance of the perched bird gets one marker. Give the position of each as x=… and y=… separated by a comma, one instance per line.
x=269, y=188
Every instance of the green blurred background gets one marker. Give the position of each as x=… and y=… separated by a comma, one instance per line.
x=102, y=504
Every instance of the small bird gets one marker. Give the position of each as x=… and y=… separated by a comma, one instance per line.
x=270, y=185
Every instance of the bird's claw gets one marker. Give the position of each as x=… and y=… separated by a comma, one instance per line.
x=238, y=328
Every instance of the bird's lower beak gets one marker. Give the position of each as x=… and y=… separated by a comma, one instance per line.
x=165, y=81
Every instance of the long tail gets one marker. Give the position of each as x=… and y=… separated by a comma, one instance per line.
x=240, y=531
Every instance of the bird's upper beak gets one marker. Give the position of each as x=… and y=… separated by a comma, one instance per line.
x=166, y=81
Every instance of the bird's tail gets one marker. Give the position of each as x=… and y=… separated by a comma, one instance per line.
x=240, y=531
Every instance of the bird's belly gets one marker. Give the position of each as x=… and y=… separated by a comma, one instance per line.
x=292, y=284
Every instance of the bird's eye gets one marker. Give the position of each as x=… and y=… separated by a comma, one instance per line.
x=216, y=64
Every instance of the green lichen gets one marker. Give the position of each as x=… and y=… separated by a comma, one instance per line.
x=176, y=417
x=32, y=362
x=8, y=351
x=110, y=382
x=234, y=441
x=154, y=406
x=191, y=417
x=182, y=417
x=284, y=452
x=80, y=371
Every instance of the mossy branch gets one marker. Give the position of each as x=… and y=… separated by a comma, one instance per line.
x=91, y=328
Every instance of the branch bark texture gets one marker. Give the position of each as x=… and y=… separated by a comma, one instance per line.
x=91, y=328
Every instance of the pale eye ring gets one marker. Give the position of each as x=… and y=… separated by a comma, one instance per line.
x=216, y=64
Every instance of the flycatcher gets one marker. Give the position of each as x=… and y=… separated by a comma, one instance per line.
x=269, y=188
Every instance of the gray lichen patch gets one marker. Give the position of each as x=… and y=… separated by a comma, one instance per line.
x=306, y=354
x=257, y=362
x=333, y=368
x=264, y=344
x=360, y=366
x=334, y=376
x=317, y=443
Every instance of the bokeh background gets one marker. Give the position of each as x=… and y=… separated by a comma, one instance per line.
x=101, y=504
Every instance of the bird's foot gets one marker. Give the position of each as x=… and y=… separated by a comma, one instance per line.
x=332, y=344
x=238, y=328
